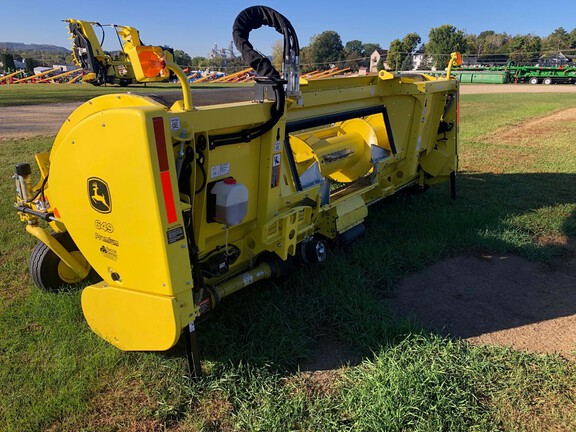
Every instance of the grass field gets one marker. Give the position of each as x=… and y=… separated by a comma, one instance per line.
x=57, y=375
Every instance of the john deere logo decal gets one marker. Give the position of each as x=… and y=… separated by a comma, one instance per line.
x=99, y=195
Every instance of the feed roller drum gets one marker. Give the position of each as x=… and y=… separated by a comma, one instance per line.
x=343, y=152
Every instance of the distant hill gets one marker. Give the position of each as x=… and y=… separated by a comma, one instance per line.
x=18, y=46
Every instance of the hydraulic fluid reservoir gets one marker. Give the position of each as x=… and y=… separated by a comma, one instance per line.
x=231, y=201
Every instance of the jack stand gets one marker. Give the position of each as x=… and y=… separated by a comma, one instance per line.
x=192, y=352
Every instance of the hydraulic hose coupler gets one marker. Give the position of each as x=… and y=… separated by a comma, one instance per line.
x=23, y=178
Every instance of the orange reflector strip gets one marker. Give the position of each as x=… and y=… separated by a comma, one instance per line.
x=56, y=213
x=168, y=197
x=161, y=151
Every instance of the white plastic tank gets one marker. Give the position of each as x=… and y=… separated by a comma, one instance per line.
x=231, y=201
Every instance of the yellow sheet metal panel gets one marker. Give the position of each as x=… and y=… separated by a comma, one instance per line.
x=114, y=188
x=132, y=320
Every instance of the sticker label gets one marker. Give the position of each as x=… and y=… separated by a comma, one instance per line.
x=276, y=159
x=109, y=253
x=174, y=123
x=275, y=180
x=277, y=146
x=247, y=279
x=220, y=170
x=175, y=234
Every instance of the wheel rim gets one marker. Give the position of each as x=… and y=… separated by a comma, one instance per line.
x=67, y=274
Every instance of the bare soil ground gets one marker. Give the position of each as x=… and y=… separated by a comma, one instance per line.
x=501, y=300
x=497, y=300
x=26, y=121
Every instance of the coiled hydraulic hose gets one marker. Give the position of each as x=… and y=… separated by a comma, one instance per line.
x=250, y=19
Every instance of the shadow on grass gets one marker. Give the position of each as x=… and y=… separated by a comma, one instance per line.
x=335, y=313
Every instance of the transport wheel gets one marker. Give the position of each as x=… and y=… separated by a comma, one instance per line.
x=50, y=273
x=547, y=81
x=533, y=81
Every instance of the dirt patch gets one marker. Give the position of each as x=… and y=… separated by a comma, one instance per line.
x=530, y=132
x=319, y=383
x=121, y=405
x=496, y=300
x=35, y=120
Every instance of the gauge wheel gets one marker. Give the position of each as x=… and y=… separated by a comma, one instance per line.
x=50, y=273
x=547, y=81
x=533, y=81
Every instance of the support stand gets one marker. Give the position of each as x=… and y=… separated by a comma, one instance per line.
x=192, y=352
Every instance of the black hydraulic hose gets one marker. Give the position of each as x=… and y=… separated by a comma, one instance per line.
x=253, y=18
x=250, y=19
x=247, y=135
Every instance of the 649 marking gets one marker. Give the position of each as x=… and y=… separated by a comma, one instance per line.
x=104, y=226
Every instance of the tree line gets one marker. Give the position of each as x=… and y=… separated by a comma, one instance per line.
x=33, y=58
x=327, y=49
x=488, y=47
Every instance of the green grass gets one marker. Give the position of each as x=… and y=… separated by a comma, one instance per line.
x=56, y=374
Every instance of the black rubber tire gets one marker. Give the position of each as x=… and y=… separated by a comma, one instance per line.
x=534, y=81
x=547, y=81
x=44, y=266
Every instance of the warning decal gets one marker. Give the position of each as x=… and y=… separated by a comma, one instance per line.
x=275, y=170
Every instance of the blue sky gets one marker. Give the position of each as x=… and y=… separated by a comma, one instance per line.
x=194, y=26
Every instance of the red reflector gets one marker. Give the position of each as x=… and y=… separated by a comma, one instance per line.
x=158, y=123
x=168, y=197
x=167, y=192
x=56, y=213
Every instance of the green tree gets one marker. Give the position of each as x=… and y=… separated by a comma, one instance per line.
x=305, y=60
x=471, y=45
x=30, y=64
x=524, y=48
x=394, y=56
x=354, y=54
x=198, y=63
x=278, y=54
x=442, y=41
x=326, y=49
x=369, y=48
x=181, y=58
x=556, y=41
x=8, y=62
x=573, y=39
x=402, y=49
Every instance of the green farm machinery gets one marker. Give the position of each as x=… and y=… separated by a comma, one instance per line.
x=514, y=74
